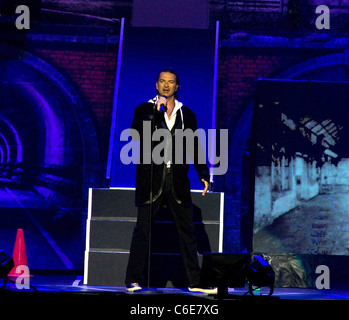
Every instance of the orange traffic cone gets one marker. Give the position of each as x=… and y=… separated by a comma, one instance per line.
x=19, y=257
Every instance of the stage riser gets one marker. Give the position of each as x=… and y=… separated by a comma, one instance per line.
x=116, y=203
x=117, y=235
x=110, y=225
x=108, y=269
x=109, y=203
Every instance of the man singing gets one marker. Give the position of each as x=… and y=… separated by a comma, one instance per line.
x=171, y=185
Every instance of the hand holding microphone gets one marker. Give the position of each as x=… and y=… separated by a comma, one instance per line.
x=161, y=104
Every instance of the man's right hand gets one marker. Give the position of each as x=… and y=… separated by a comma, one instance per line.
x=162, y=101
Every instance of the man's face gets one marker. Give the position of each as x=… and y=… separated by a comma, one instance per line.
x=167, y=84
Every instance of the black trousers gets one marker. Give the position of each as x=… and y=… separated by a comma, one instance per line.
x=182, y=217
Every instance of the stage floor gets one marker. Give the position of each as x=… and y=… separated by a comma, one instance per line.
x=62, y=292
x=74, y=284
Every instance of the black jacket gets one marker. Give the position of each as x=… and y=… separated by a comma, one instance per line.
x=179, y=172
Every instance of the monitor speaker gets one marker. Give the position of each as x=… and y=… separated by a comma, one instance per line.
x=224, y=271
x=6, y=264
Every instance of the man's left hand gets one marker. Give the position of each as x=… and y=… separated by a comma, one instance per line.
x=206, y=184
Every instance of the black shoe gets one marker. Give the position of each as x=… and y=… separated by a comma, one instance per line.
x=133, y=287
x=203, y=290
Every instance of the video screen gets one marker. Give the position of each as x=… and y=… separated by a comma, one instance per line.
x=301, y=198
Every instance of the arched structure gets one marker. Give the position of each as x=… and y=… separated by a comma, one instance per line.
x=45, y=130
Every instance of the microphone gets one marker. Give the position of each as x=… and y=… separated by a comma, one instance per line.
x=163, y=108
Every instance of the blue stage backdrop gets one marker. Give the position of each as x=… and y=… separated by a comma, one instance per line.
x=146, y=51
x=302, y=168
